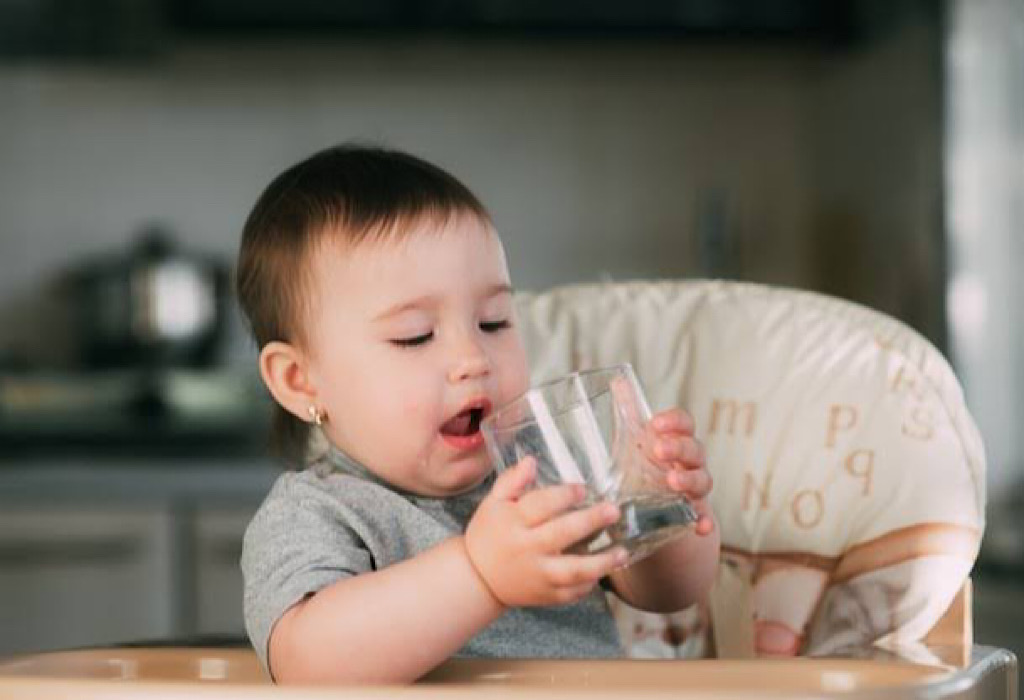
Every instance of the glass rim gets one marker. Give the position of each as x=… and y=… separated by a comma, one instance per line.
x=624, y=368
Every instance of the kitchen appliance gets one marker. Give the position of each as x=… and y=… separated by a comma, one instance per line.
x=133, y=411
x=154, y=306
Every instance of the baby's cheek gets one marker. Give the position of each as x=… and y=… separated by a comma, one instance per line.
x=421, y=416
x=511, y=364
x=411, y=409
x=517, y=381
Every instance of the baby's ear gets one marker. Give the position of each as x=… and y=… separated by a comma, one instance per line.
x=284, y=371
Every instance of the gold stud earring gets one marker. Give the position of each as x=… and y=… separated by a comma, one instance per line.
x=317, y=415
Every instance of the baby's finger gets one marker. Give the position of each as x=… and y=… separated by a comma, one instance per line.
x=705, y=525
x=697, y=483
x=512, y=483
x=542, y=505
x=559, y=534
x=680, y=449
x=571, y=594
x=584, y=569
x=673, y=420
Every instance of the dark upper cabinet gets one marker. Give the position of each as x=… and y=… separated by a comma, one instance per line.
x=147, y=28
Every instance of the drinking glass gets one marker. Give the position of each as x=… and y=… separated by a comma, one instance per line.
x=590, y=428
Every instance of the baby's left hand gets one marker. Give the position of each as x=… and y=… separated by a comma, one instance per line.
x=674, y=448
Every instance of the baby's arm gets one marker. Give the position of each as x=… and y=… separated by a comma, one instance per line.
x=391, y=625
x=394, y=625
x=675, y=577
x=680, y=573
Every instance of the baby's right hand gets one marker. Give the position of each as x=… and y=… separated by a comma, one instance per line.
x=517, y=539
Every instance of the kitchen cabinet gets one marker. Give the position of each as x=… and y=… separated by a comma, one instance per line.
x=218, y=577
x=99, y=552
x=75, y=576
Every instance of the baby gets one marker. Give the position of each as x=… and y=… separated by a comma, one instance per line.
x=378, y=294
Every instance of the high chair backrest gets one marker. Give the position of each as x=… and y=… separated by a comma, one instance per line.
x=849, y=476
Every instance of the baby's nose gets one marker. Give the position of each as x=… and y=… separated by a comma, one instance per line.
x=471, y=364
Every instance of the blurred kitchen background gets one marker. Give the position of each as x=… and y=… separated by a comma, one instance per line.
x=868, y=149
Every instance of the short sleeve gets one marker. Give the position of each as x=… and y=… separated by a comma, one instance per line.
x=300, y=541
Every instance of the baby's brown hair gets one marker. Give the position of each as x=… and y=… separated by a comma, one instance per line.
x=351, y=192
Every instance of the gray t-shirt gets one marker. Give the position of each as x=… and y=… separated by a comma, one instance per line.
x=335, y=519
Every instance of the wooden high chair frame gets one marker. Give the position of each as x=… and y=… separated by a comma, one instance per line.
x=953, y=634
x=956, y=627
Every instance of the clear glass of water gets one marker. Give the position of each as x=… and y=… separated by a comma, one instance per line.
x=589, y=428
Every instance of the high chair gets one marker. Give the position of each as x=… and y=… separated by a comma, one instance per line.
x=849, y=491
x=849, y=477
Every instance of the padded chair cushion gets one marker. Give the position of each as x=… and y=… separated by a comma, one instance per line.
x=849, y=476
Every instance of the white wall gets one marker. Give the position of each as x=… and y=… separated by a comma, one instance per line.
x=592, y=159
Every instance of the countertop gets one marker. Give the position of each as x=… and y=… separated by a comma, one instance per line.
x=138, y=478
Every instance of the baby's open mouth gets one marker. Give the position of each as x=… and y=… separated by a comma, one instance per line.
x=464, y=424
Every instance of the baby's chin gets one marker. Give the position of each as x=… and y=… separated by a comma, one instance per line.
x=466, y=474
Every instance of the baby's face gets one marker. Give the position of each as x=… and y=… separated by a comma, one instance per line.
x=411, y=342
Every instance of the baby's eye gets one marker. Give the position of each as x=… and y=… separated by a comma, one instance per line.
x=494, y=326
x=414, y=341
